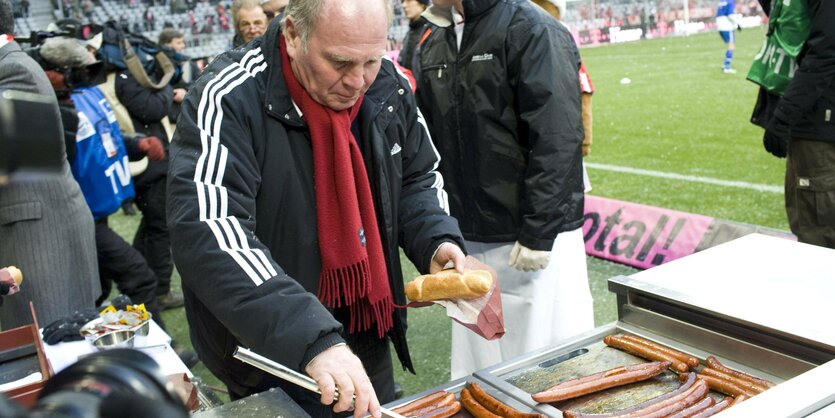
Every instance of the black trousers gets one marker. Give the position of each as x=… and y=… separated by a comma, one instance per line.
x=810, y=191
x=376, y=358
x=122, y=264
x=152, y=240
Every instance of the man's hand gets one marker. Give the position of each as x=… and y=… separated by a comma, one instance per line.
x=152, y=147
x=526, y=259
x=445, y=253
x=338, y=367
x=179, y=95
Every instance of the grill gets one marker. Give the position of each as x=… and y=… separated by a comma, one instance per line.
x=760, y=304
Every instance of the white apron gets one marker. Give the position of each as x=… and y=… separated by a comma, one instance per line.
x=540, y=308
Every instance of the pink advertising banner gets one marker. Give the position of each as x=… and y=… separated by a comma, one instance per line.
x=640, y=235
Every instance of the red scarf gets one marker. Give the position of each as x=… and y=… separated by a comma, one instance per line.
x=353, y=267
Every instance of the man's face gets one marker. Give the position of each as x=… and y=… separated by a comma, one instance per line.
x=273, y=8
x=178, y=44
x=412, y=9
x=343, y=54
x=252, y=23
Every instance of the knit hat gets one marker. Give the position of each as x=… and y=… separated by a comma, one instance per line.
x=424, y=2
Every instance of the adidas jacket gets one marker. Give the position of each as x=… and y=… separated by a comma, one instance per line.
x=242, y=215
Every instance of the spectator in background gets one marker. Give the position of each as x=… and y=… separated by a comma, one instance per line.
x=174, y=42
x=800, y=125
x=507, y=125
x=46, y=227
x=250, y=21
x=222, y=17
x=87, y=7
x=148, y=18
x=24, y=6
x=726, y=24
x=410, y=51
x=273, y=8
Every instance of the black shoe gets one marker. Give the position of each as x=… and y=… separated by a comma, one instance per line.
x=128, y=208
x=188, y=357
x=398, y=391
x=170, y=300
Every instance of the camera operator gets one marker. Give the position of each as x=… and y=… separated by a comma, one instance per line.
x=46, y=227
x=100, y=165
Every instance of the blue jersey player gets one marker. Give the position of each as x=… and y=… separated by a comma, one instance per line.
x=726, y=24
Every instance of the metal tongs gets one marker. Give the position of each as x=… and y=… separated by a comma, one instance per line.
x=277, y=369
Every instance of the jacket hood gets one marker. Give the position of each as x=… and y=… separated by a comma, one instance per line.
x=442, y=16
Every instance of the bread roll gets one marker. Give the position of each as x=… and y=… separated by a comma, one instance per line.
x=449, y=284
x=16, y=274
x=11, y=275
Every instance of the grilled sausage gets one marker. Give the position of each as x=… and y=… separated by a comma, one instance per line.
x=473, y=407
x=688, y=383
x=694, y=409
x=713, y=410
x=419, y=403
x=446, y=400
x=444, y=411
x=495, y=406
x=643, y=351
x=724, y=386
x=690, y=361
x=745, y=384
x=739, y=399
x=714, y=363
x=672, y=404
x=569, y=389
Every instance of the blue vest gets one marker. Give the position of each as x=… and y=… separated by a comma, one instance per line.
x=101, y=163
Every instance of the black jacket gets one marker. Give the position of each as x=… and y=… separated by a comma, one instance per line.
x=409, y=51
x=808, y=104
x=242, y=215
x=505, y=114
x=146, y=107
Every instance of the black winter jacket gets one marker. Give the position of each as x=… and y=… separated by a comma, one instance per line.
x=504, y=112
x=808, y=104
x=146, y=107
x=242, y=215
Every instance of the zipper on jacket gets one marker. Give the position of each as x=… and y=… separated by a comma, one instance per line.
x=439, y=67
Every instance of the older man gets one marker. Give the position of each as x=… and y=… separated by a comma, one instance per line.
x=299, y=166
x=250, y=21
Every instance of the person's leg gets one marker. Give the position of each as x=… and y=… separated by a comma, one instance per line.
x=126, y=266
x=153, y=242
x=810, y=191
x=728, y=38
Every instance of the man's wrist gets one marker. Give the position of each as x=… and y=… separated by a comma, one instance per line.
x=327, y=341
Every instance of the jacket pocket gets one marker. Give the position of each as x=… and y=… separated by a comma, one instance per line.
x=18, y=212
x=817, y=193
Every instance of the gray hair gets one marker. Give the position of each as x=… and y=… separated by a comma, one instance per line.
x=306, y=14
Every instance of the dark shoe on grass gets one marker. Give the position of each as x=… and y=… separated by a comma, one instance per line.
x=170, y=300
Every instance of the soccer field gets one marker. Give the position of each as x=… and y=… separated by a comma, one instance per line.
x=677, y=137
x=687, y=122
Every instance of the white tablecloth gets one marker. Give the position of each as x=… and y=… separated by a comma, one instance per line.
x=157, y=345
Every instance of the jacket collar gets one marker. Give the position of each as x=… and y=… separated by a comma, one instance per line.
x=277, y=101
x=442, y=16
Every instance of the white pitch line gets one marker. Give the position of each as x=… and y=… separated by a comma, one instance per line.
x=699, y=179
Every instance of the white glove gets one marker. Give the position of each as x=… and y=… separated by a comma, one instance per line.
x=526, y=259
